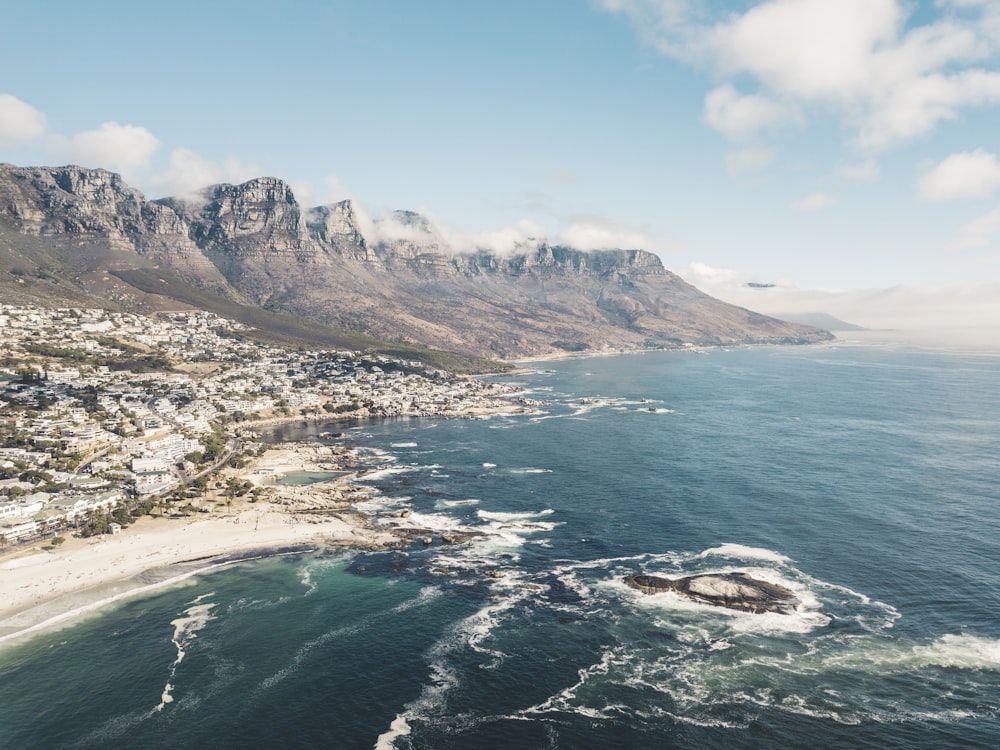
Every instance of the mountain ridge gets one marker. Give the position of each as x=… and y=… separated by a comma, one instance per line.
x=254, y=244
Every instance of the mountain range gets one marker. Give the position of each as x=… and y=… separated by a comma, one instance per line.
x=83, y=237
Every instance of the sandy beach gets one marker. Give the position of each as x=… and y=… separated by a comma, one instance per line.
x=316, y=514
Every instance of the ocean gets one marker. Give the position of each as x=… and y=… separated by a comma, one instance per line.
x=864, y=478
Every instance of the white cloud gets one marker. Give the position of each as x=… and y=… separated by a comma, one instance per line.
x=740, y=116
x=421, y=228
x=705, y=276
x=334, y=192
x=748, y=160
x=671, y=26
x=425, y=230
x=112, y=146
x=523, y=236
x=913, y=107
x=970, y=174
x=520, y=237
x=303, y=192
x=980, y=232
x=813, y=49
x=128, y=149
x=814, y=202
x=189, y=172
x=947, y=314
x=863, y=61
x=597, y=234
x=19, y=121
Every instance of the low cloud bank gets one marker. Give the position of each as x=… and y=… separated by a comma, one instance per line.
x=966, y=315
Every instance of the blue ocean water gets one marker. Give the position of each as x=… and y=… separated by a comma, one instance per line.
x=863, y=478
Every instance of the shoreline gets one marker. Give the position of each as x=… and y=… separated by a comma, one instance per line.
x=46, y=586
x=42, y=585
x=521, y=362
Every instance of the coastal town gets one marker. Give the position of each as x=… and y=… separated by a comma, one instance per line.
x=109, y=416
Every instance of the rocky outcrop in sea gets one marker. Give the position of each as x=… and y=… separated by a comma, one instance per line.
x=731, y=590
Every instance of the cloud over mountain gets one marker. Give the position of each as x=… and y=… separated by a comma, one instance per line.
x=19, y=121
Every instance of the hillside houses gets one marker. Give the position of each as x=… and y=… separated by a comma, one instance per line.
x=81, y=409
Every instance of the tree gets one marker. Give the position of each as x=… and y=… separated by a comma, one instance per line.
x=34, y=475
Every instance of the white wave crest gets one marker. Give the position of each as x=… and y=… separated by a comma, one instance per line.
x=456, y=503
x=743, y=552
x=387, y=472
x=513, y=517
x=951, y=651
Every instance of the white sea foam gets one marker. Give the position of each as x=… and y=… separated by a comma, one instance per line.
x=743, y=552
x=307, y=570
x=725, y=682
x=368, y=450
x=472, y=633
x=512, y=517
x=530, y=470
x=185, y=630
x=379, y=502
x=379, y=474
x=433, y=521
x=403, y=445
x=456, y=503
x=441, y=680
x=567, y=700
x=510, y=530
x=63, y=617
x=399, y=727
x=487, y=465
x=952, y=651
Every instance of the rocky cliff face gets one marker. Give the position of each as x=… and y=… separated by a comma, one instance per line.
x=70, y=200
x=257, y=219
x=337, y=227
x=107, y=222
x=253, y=242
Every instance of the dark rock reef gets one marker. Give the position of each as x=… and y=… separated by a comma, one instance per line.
x=731, y=590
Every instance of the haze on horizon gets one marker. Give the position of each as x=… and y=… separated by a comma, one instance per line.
x=846, y=153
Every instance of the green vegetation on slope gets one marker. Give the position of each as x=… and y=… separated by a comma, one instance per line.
x=283, y=329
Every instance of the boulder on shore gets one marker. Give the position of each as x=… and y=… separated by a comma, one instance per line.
x=731, y=590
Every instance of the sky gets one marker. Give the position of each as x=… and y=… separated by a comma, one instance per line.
x=847, y=151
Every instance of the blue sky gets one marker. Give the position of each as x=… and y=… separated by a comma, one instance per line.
x=845, y=151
